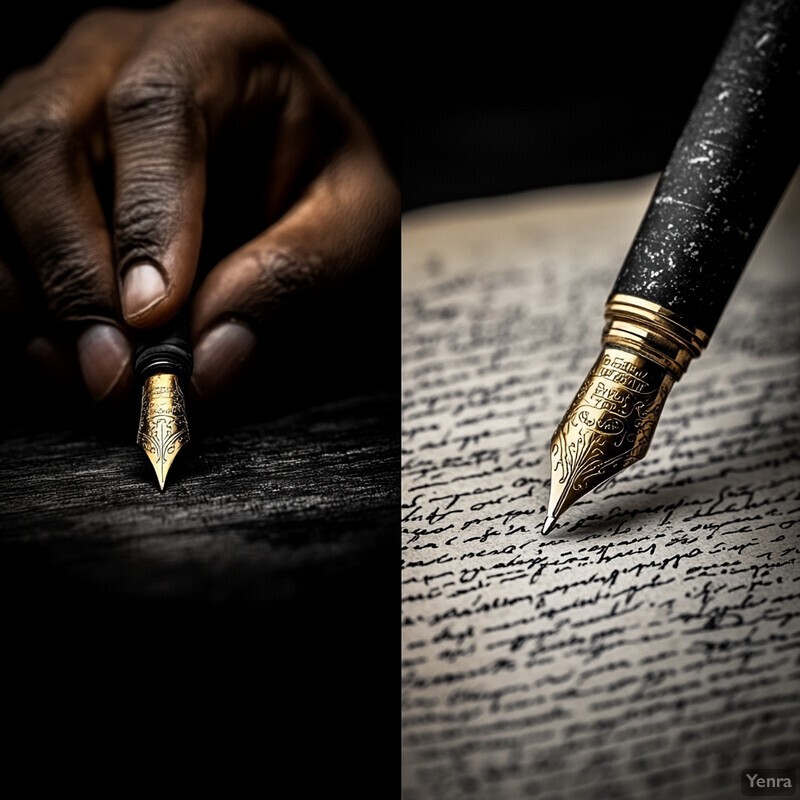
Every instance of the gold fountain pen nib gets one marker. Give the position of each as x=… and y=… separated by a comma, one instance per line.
x=163, y=428
x=611, y=421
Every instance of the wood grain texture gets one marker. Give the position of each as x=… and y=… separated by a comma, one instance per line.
x=247, y=510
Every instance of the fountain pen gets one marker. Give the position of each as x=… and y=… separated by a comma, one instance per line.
x=162, y=365
x=726, y=174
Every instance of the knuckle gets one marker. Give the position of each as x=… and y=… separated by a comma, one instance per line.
x=270, y=28
x=72, y=302
x=36, y=130
x=285, y=276
x=70, y=285
x=154, y=97
x=240, y=16
x=143, y=227
x=97, y=21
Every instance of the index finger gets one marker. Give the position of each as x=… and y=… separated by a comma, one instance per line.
x=194, y=67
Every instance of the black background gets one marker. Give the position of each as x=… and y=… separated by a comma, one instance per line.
x=545, y=94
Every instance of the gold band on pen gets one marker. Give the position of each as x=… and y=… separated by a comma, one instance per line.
x=653, y=332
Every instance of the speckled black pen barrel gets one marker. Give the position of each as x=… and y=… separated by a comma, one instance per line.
x=736, y=155
x=724, y=179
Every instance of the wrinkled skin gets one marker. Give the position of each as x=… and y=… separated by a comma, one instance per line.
x=145, y=133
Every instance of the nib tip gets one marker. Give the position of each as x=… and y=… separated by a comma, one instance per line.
x=548, y=524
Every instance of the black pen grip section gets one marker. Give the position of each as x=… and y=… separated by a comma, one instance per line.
x=166, y=349
x=727, y=172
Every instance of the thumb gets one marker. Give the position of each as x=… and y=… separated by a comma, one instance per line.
x=338, y=227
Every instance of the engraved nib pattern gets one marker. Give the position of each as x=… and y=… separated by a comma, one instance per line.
x=607, y=428
x=163, y=428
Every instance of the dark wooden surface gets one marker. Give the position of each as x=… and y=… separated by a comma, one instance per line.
x=245, y=507
x=260, y=585
x=254, y=514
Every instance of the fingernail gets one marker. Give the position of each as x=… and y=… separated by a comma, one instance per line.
x=142, y=287
x=220, y=355
x=104, y=356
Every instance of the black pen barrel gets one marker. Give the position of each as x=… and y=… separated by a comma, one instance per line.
x=165, y=350
x=734, y=159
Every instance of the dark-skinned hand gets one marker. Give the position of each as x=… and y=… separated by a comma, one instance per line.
x=189, y=157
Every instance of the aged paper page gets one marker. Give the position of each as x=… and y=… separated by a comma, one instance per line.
x=649, y=646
